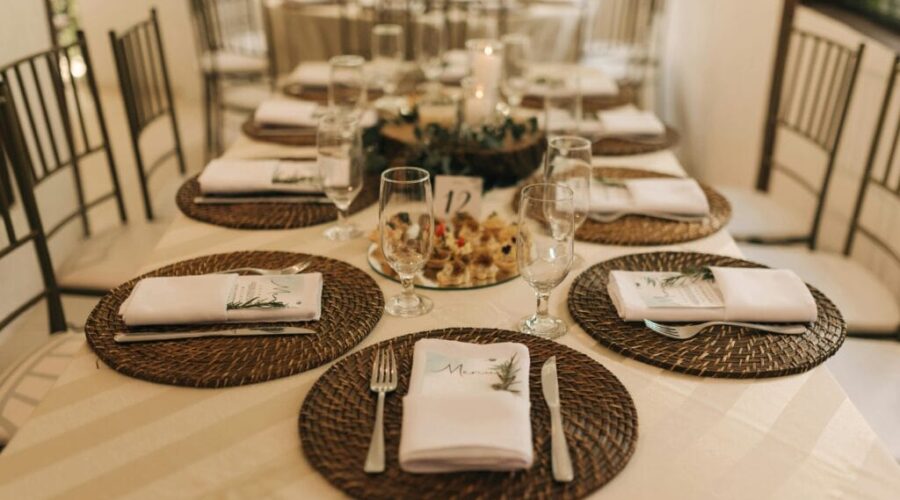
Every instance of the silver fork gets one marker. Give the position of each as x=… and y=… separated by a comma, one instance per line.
x=295, y=269
x=383, y=381
x=684, y=332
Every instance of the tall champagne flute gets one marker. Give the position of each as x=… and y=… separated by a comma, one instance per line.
x=544, y=250
x=347, y=84
x=387, y=60
x=340, y=161
x=406, y=224
x=562, y=105
x=430, y=40
x=568, y=162
x=516, y=55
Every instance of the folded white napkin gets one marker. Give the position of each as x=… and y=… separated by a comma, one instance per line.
x=653, y=195
x=629, y=120
x=217, y=298
x=454, y=420
x=592, y=82
x=232, y=176
x=735, y=294
x=287, y=113
x=313, y=74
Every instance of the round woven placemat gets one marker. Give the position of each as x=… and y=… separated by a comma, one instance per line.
x=268, y=215
x=720, y=351
x=319, y=94
x=620, y=146
x=352, y=304
x=637, y=230
x=599, y=416
x=589, y=103
x=281, y=135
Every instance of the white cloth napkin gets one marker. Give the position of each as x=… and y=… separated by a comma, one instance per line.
x=233, y=176
x=184, y=300
x=654, y=195
x=737, y=294
x=629, y=120
x=592, y=82
x=287, y=113
x=453, y=420
x=456, y=66
x=313, y=74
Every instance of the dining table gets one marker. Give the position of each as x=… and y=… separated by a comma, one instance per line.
x=102, y=434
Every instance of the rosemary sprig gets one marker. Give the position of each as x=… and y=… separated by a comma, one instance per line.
x=296, y=179
x=257, y=303
x=506, y=372
x=610, y=182
x=690, y=274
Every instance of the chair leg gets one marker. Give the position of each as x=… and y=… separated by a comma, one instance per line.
x=207, y=114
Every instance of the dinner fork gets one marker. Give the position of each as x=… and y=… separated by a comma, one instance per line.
x=294, y=269
x=383, y=381
x=685, y=332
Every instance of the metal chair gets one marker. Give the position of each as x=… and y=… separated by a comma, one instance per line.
x=144, y=81
x=232, y=42
x=56, y=114
x=869, y=306
x=810, y=96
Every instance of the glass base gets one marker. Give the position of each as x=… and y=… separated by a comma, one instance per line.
x=342, y=233
x=406, y=306
x=546, y=327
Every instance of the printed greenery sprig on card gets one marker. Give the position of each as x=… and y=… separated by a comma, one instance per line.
x=507, y=372
x=610, y=182
x=256, y=303
x=296, y=179
x=690, y=274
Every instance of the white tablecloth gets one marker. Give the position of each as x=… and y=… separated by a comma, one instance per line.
x=102, y=434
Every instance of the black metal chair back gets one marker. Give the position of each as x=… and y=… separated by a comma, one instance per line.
x=14, y=240
x=881, y=176
x=230, y=26
x=55, y=112
x=144, y=81
x=812, y=102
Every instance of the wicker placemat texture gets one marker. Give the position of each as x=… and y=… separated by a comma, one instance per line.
x=638, y=230
x=600, y=425
x=621, y=146
x=268, y=215
x=720, y=351
x=352, y=304
x=289, y=136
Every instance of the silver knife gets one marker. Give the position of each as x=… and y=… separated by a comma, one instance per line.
x=235, y=332
x=236, y=200
x=562, y=461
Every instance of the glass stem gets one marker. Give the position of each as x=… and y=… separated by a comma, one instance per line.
x=407, y=283
x=543, y=304
x=342, y=217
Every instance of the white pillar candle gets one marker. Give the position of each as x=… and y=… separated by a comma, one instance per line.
x=478, y=106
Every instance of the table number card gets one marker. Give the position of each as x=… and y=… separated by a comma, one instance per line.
x=457, y=193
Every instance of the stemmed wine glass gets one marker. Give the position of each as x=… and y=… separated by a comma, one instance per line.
x=340, y=161
x=387, y=59
x=347, y=84
x=406, y=224
x=430, y=48
x=544, y=249
x=568, y=162
x=516, y=54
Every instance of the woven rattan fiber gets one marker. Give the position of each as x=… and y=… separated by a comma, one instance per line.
x=352, y=304
x=619, y=146
x=720, y=351
x=600, y=426
x=637, y=230
x=289, y=136
x=268, y=215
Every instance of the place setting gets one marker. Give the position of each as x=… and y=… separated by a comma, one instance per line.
x=627, y=130
x=470, y=412
x=233, y=319
x=706, y=315
x=290, y=192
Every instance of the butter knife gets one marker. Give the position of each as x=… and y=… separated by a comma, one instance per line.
x=562, y=461
x=236, y=200
x=235, y=332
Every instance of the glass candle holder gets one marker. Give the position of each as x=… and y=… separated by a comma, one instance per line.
x=486, y=63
